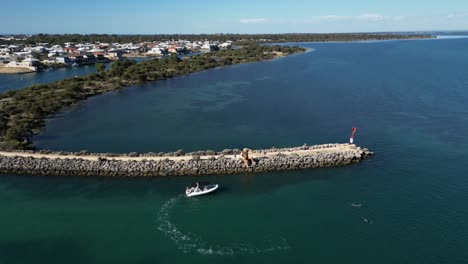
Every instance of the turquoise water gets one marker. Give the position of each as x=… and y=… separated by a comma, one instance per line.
x=408, y=100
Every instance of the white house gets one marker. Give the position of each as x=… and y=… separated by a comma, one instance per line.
x=65, y=60
x=114, y=54
x=209, y=46
x=158, y=51
x=226, y=45
x=22, y=54
x=4, y=58
x=29, y=63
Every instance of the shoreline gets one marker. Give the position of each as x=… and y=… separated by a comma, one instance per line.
x=352, y=41
x=29, y=119
x=178, y=163
x=14, y=70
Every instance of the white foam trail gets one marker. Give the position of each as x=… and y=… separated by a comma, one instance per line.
x=191, y=243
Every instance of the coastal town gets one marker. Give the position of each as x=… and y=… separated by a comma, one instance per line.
x=246, y=132
x=25, y=58
x=43, y=52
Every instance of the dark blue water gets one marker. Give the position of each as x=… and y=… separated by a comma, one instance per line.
x=408, y=100
x=17, y=81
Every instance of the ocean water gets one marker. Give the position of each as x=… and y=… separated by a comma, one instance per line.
x=408, y=100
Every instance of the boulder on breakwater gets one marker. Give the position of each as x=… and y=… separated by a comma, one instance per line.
x=178, y=163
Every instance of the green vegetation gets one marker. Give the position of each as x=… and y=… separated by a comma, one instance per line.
x=22, y=112
x=100, y=68
x=293, y=37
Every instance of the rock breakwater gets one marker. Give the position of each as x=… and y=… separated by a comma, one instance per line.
x=178, y=163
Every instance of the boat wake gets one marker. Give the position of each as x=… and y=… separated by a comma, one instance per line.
x=192, y=243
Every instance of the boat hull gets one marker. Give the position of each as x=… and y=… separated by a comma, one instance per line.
x=209, y=190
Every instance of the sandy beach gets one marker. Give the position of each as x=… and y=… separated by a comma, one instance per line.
x=14, y=70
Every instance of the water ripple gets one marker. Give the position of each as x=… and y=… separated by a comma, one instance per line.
x=189, y=242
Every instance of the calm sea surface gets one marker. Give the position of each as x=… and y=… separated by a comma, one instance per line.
x=408, y=99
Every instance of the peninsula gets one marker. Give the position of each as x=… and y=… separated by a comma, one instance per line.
x=23, y=112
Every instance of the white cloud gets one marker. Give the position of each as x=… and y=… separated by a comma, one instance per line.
x=253, y=20
x=371, y=17
x=332, y=17
x=378, y=17
x=457, y=15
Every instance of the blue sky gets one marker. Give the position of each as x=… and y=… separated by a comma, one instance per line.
x=238, y=16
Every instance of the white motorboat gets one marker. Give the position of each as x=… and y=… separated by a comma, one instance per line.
x=201, y=190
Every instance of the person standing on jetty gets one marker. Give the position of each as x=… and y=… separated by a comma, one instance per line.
x=246, y=158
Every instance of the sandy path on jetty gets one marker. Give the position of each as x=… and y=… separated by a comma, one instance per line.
x=255, y=154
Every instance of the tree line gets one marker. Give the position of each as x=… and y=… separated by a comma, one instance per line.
x=60, y=39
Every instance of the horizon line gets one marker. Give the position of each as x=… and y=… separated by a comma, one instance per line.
x=231, y=33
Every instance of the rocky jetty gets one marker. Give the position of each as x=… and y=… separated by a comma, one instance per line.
x=178, y=163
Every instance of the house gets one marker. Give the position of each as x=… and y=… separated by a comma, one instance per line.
x=225, y=45
x=70, y=49
x=28, y=63
x=38, y=49
x=56, y=53
x=103, y=45
x=195, y=46
x=209, y=47
x=22, y=54
x=31, y=62
x=4, y=59
x=77, y=58
x=100, y=57
x=57, y=47
x=158, y=51
x=14, y=48
x=114, y=54
x=89, y=58
x=179, y=50
x=136, y=49
x=65, y=60
x=174, y=50
x=50, y=61
x=94, y=50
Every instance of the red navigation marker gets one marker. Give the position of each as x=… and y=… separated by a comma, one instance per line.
x=351, y=139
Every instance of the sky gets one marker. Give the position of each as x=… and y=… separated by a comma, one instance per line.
x=237, y=16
